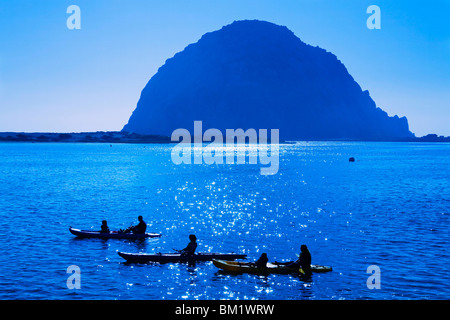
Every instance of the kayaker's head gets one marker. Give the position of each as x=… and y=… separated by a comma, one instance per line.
x=192, y=237
x=303, y=248
x=140, y=218
x=104, y=222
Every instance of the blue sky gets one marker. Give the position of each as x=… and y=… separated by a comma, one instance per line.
x=61, y=80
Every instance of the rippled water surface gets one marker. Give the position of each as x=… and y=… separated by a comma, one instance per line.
x=390, y=208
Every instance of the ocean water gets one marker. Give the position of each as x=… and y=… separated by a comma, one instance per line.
x=390, y=208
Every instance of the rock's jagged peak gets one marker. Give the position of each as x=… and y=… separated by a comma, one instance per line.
x=253, y=28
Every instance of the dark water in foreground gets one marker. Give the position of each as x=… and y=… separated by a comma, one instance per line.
x=390, y=208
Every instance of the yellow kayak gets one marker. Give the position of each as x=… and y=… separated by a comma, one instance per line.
x=245, y=267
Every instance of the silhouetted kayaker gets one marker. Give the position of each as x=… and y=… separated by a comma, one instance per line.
x=104, y=228
x=139, y=228
x=262, y=261
x=303, y=261
x=191, y=247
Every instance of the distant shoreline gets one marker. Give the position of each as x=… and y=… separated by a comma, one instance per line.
x=85, y=137
x=128, y=137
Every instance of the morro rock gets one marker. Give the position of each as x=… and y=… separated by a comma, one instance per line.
x=255, y=74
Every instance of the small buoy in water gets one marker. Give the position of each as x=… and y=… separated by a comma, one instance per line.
x=351, y=159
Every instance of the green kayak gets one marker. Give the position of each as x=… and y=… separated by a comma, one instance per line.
x=244, y=267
